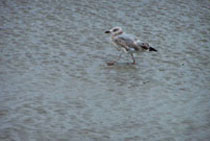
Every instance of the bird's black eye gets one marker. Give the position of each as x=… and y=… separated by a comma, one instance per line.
x=114, y=30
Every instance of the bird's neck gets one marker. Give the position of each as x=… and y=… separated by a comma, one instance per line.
x=119, y=33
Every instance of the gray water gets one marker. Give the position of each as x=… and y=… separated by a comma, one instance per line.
x=55, y=84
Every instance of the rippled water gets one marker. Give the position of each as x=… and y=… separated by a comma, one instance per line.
x=55, y=84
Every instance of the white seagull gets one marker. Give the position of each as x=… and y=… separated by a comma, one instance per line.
x=127, y=43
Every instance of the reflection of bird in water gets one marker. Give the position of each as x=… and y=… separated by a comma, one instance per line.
x=127, y=43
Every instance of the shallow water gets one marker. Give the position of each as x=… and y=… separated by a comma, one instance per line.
x=55, y=84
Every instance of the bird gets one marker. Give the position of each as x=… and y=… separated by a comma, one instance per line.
x=127, y=43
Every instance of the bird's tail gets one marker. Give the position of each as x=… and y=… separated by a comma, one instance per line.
x=152, y=49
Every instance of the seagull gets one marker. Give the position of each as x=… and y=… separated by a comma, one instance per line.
x=127, y=43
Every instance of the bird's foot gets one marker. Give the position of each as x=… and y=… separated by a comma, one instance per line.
x=133, y=63
x=110, y=63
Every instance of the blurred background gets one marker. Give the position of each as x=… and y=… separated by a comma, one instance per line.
x=55, y=84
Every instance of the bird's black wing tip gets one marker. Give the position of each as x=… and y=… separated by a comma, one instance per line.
x=152, y=49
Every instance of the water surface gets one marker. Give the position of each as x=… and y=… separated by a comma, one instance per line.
x=55, y=84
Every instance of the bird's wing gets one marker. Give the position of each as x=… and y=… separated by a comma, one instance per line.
x=130, y=42
x=144, y=46
x=126, y=42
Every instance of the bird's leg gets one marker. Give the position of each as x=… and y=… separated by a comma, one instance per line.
x=113, y=62
x=134, y=61
x=118, y=58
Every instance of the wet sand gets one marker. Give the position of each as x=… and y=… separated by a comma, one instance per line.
x=55, y=84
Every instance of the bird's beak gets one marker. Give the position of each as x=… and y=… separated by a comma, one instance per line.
x=107, y=32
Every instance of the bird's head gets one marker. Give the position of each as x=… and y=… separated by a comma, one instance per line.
x=114, y=31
